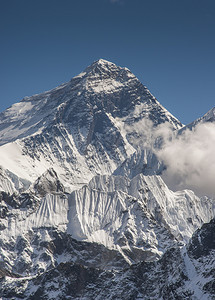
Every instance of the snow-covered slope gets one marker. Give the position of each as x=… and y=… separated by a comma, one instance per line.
x=11, y=183
x=98, y=207
x=142, y=161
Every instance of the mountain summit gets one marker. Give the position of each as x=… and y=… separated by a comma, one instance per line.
x=103, y=66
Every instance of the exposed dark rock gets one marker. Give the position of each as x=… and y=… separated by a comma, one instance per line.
x=48, y=183
x=203, y=241
x=17, y=201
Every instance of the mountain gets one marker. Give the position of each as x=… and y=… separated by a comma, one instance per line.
x=83, y=128
x=84, y=212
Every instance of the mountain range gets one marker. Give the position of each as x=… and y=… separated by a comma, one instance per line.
x=85, y=212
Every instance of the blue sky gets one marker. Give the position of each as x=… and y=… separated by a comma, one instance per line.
x=168, y=44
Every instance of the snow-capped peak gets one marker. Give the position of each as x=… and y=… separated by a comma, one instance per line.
x=82, y=128
x=102, y=64
x=104, y=70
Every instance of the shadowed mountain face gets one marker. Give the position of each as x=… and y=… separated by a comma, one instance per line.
x=84, y=213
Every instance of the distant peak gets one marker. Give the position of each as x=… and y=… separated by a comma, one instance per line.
x=209, y=116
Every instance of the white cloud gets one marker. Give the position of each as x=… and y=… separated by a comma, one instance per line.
x=140, y=133
x=190, y=159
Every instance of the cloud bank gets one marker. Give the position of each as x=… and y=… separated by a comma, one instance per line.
x=190, y=159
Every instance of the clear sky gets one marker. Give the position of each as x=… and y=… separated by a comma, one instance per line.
x=168, y=44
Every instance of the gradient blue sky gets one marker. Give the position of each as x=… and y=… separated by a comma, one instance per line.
x=168, y=44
